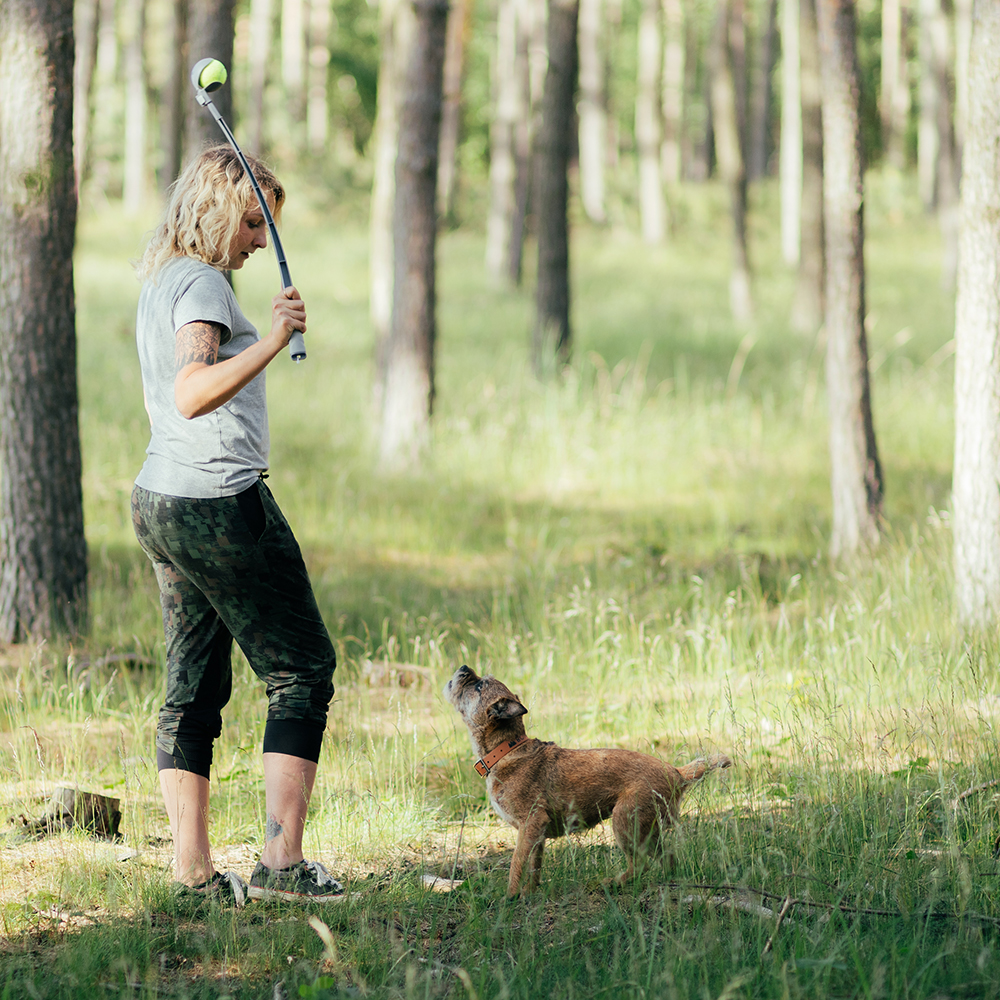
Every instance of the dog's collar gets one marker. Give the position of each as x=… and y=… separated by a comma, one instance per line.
x=485, y=764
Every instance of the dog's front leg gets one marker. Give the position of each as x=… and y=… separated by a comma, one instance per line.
x=530, y=845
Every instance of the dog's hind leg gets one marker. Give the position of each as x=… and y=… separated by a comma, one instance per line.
x=631, y=827
x=529, y=849
x=638, y=821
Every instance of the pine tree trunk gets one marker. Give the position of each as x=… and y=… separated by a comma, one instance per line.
x=592, y=109
x=729, y=159
x=175, y=95
x=856, y=474
x=673, y=91
x=134, y=184
x=946, y=169
x=696, y=140
x=976, y=478
x=647, y=123
x=529, y=68
x=808, y=304
x=397, y=27
x=738, y=65
x=612, y=131
x=318, y=60
x=790, y=177
x=210, y=30
x=408, y=395
x=503, y=168
x=894, y=98
x=928, y=140
x=760, y=145
x=963, y=44
x=43, y=553
x=293, y=56
x=259, y=51
x=85, y=25
x=106, y=125
x=552, y=338
x=456, y=42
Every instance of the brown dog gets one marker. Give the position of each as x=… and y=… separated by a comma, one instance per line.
x=544, y=790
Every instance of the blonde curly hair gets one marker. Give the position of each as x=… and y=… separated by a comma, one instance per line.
x=205, y=207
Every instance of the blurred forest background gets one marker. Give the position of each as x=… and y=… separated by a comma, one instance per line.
x=526, y=121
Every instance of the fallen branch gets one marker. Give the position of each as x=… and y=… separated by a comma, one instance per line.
x=975, y=789
x=785, y=907
x=827, y=908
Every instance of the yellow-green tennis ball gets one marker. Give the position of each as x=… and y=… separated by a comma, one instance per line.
x=213, y=76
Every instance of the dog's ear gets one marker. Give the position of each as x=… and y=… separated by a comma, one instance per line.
x=506, y=708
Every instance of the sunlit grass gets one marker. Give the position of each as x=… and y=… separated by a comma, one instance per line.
x=640, y=551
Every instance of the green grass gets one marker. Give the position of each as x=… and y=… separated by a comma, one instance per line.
x=640, y=551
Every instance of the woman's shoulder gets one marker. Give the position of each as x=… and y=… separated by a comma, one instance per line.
x=181, y=277
x=186, y=270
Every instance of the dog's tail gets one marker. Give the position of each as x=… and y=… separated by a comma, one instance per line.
x=699, y=768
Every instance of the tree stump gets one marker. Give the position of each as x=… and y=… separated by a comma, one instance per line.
x=69, y=808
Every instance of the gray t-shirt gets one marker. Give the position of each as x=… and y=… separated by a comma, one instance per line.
x=223, y=452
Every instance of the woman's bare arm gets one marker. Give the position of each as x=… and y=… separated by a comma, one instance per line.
x=203, y=383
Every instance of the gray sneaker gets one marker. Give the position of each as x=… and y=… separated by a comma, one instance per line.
x=306, y=881
x=223, y=888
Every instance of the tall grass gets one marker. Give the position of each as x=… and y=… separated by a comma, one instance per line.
x=640, y=550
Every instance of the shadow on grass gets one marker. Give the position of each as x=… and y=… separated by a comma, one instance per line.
x=839, y=846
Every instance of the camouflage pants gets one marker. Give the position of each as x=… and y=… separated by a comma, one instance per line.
x=229, y=567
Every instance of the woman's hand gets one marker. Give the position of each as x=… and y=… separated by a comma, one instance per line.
x=288, y=314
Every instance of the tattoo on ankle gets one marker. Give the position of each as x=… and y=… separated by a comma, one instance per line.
x=274, y=828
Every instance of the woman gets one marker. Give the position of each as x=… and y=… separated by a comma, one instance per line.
x=225, y=559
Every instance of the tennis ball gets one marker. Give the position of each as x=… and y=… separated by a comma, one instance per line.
x=212, y=76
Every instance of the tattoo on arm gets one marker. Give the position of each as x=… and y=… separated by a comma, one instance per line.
x=274, y=828
x=197, y=343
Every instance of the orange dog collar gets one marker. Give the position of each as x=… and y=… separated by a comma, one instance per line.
x=485, y=764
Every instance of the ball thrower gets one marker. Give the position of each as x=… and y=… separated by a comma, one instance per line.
x=207, y=76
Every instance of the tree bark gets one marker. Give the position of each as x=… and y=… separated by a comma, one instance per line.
x=508, y=105
x=894, y=99
x=945, y=171
x=175, y=95
x=593, y=110
x=729, y=159
x=456, y=42
x=647, y=123
x=856, y=474
x=293, y=56
x=105, y=127
x=737, y=40
x=928, y=140
x=85, y=25
x=134, y=174
x=976, y=479
x=408, y=396
x=552, y=336
x=808, y=303
x=963, y=44
x=396, y=31
x=43, y=554
x=790, y=155
x=760, y=145
x=210, y=30
x=259, y=45
x=673, y=91
x=697, y=140
x=318, y=61
x=530, y=68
